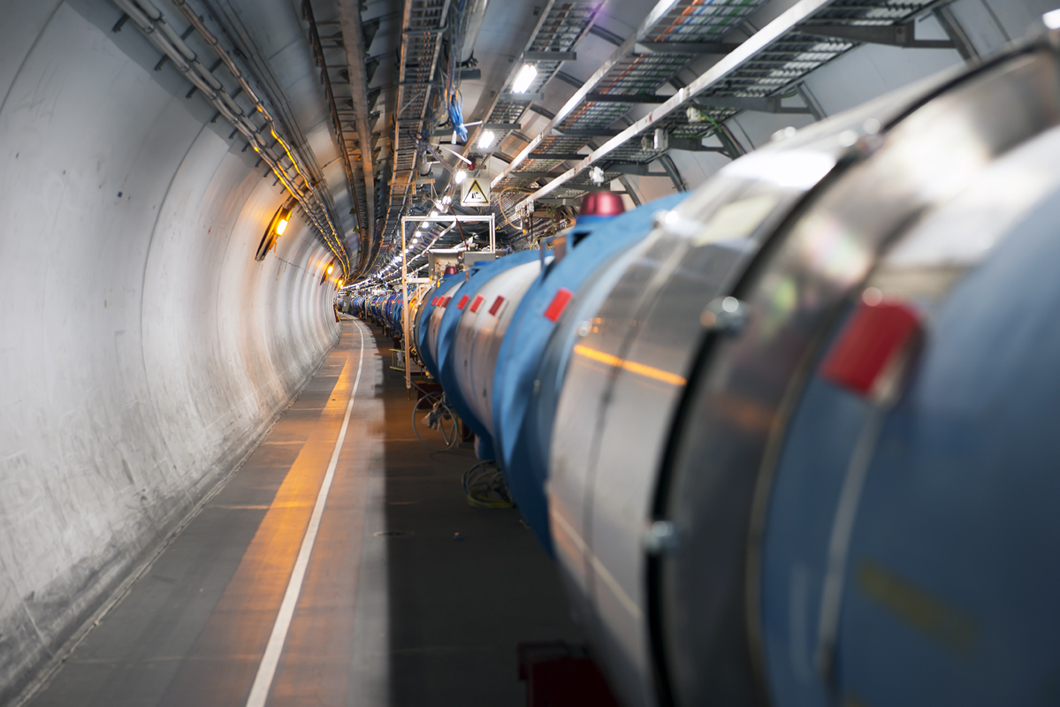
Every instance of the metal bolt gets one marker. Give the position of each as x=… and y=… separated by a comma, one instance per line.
x=661, y=538
x=726, y=315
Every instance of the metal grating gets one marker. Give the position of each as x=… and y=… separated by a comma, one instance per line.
x=562, y=27
x=643, y=65
x=643, y=72
x=422, y=34
x=770, y=73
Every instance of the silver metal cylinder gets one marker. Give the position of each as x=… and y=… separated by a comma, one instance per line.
x=479, y=335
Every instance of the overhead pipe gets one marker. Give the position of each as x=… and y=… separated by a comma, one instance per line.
x=353, y=42
x=318, y=51
x=474, y=26
x=152, y=23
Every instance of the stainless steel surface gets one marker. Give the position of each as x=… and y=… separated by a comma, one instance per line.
x=406, y=323
x=436, y=321
x=627, y=376
x=417, y=320
x=743, y=386
x=480, y=333
x=623, y=383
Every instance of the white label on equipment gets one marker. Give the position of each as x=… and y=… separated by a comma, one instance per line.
x=475, y=193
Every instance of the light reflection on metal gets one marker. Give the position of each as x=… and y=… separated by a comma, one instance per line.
x=639, y=369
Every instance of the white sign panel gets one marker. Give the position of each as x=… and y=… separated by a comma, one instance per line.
x=475, y=192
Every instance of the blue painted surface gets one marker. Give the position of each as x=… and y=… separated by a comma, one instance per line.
x=478, y=276
x=806, y=489
x=951, y=581
x=522, y=417
x=961, y=499
x=448, y=282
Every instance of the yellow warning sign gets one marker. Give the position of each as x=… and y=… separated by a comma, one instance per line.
x=475, y=192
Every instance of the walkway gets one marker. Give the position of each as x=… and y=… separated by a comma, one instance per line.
x=387, y=609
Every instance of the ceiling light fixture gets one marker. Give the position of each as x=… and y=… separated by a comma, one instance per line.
x=486, y=139
x=460, y=177
x=524, y=78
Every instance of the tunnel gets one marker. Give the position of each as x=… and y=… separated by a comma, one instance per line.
x=432, y=352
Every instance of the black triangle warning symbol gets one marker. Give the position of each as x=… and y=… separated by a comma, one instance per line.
x=475, y=195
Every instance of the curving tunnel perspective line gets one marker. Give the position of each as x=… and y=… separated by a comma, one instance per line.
x=789, y=440
x=668, y=444
x=144, y=351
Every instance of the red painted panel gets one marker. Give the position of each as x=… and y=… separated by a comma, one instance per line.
x=872, y=339
x=558, y=304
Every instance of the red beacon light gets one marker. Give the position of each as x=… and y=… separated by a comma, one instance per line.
x=597, y=208
x=601, y=203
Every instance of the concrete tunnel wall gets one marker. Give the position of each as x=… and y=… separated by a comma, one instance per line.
x=143, y=350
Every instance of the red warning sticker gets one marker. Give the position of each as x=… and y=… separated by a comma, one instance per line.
x=496, y=305
x=558, y=304
x=871, y=341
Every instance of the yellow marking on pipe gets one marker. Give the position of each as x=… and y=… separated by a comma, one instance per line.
x=930, y=615
x=632, y=366
x=308, y=186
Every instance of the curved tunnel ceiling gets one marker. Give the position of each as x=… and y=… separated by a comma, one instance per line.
x=360, y=91
x=152, y=144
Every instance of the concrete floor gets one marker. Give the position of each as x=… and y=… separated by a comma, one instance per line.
x=393, y=610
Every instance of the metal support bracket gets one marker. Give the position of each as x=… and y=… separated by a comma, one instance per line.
x=894, y=35
x=692, y=144
x=584, y=132
x=557, y=156
x=764, y=104
x=636, y=168
x=606, y=35
x=625, y=98
x=684, y=47
x=550, y=56
x=568, y=79
x=521, y=97
x=548, y=201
